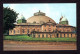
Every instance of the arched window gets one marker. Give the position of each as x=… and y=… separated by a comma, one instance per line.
x=64, y=35
x=46, y=35
x=27, y=30
x=39, y=35
x=14, y=31
x=50, y=35
x=71, y=35
x=53, y=30
x=57, y=35
x=49, y=25
x=67, y=35
x=33, y=35
x=11, y=31
x=45, y=30
x=23, y=30
x=45, y=25
x=18, y=31
x=42, y=35
x=60, y=35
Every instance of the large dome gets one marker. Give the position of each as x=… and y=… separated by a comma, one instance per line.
x=39, y=17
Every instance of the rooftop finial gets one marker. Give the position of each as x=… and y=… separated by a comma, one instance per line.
x=61, y=15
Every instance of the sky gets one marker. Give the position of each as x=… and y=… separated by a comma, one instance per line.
x=52, y=10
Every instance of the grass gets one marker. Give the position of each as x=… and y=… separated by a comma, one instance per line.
x=27, y=38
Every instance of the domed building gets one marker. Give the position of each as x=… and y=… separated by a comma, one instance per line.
x=63, y=20
x=42, y=26
x=39, y=17
x=22, y=20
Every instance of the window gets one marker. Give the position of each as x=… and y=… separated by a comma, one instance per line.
x=67, y=35
x=27, y=30
x=45, y=30
x=18, y=31
x=23, y=30
x=49, y=30
x=14, y=31
x=33, y=29
x=71, y=35
x=39, y=35
x=64, y=35
x=42, y=35
x=50, y=35
x=57, y=35
x=49, y=25
x=33, y=35
x=38, y=30
x=46, y=35
x=53, y=25
x=60, y=35
x=11, y=31
x=45, y=25
x=53, y=30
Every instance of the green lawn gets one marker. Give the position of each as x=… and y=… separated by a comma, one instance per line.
x=27, y=38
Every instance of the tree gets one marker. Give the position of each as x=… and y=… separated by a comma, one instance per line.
x=9, y=18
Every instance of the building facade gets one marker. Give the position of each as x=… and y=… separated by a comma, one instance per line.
x=42, y=26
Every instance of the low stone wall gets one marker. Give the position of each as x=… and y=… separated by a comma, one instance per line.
x=39, y=43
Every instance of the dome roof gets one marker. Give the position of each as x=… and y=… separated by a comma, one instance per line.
x=64, y=19
x=39, y=19
x=22, y=17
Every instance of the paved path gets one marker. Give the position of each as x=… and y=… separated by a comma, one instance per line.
x=16, y=47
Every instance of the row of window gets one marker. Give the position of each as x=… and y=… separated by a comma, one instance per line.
x=60, y=30
x=50, y=35
x=23, y=31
